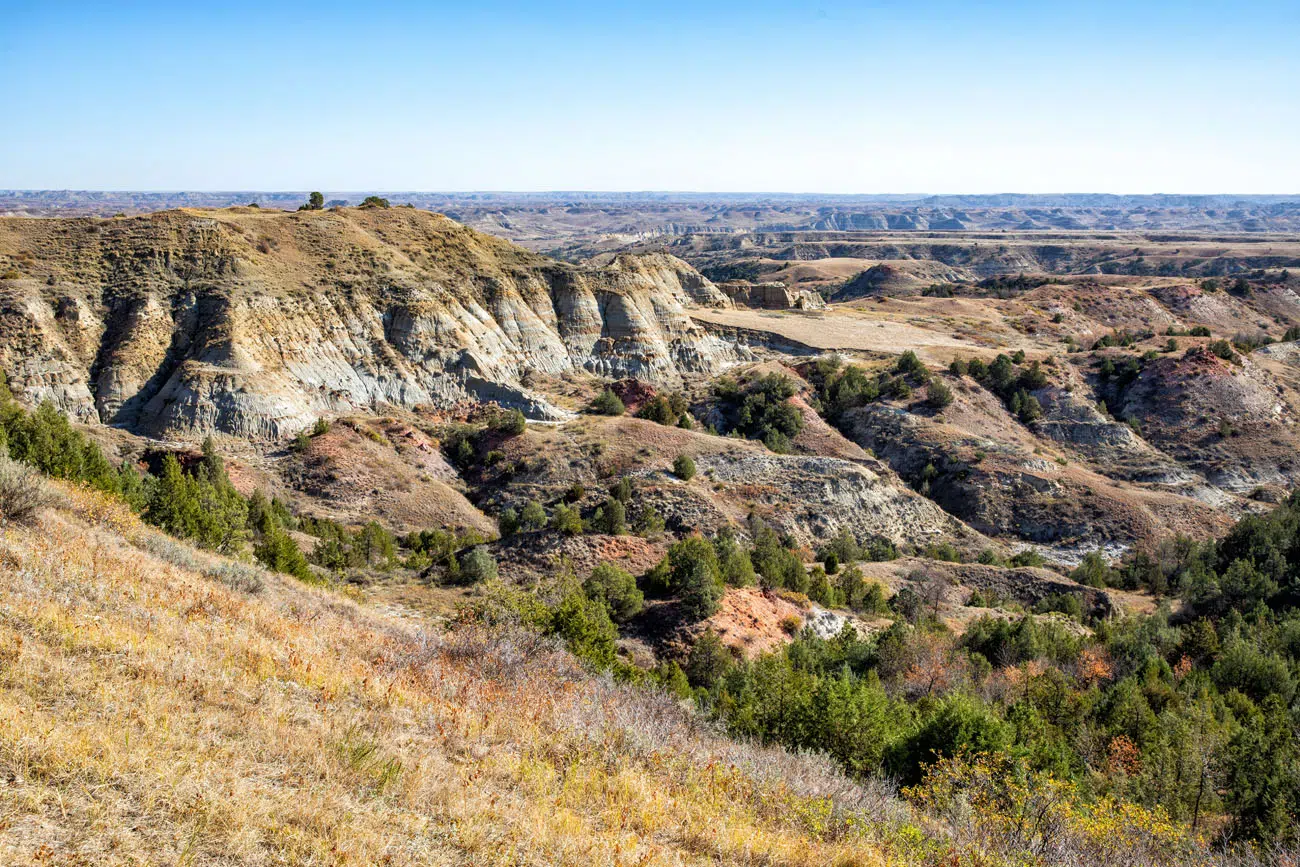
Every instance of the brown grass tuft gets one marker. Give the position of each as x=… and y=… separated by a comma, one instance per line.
x=22, y=491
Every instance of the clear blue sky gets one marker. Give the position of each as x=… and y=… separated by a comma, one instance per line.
x=822, y=96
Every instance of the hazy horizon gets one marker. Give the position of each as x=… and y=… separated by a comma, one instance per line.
x=908, y=197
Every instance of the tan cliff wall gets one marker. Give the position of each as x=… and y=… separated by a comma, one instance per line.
x=255, y=322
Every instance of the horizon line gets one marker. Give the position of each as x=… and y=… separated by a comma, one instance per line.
x=621, y=192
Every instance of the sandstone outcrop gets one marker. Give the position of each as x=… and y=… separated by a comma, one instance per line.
x=814, y=498
x=1230, y=420
x=807, y=496
x=256, y=322
x=772, y=295
x=989, y=471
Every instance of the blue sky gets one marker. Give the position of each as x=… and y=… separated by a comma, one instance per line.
x=800, y=96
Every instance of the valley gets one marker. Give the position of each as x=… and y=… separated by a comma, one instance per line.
x=251, y=325
x=903, y=493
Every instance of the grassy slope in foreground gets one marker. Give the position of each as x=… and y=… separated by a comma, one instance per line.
x=150, y=712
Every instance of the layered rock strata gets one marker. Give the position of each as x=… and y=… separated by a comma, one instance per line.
x=256, y=322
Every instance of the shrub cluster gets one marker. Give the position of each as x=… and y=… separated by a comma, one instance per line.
x=840, y=387
x=697, y=570
x=615, y=516
x=761, y=410
x=1011, y=380
x=666, y=409
x=470, y=446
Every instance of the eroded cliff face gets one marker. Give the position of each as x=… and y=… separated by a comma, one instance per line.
x=254, y=323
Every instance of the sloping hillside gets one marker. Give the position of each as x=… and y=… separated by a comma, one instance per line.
x=159, y=705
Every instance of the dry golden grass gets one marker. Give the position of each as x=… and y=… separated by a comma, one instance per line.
x=152, y=715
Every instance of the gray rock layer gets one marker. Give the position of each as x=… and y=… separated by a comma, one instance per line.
x=256, y=323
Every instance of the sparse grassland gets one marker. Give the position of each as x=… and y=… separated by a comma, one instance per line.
x=149, y=714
